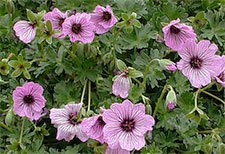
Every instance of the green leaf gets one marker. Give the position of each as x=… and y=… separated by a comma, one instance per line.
x=40, y=15
x=49, y=26
x=134, y=73
x=195, y=116
x=135, y=93
x=133, y=15
x=49, y=40
x=2, y=82
x=20, y=58
x=129, y=29
x=202, y=114
x=136, y=23
x=30, y=15
x=125, y=16
x=4, y=67
x=220, y=148
x=26, y=74
x=10, y=6
x=138, y=39
x=16, y=73
x=121, y=65
x=121, y=24
x=27, y=65
x=9, y=117
x=13, y=63
x=65, y=93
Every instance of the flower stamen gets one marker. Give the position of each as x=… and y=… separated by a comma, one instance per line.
x=222, y=77
x=196, y=63
x=174, y=29
x=73, y=118
x=100, y=121
x=28, y=99
x=106, y=16
x=61, y=20
x=128, y=125
x=76, y=28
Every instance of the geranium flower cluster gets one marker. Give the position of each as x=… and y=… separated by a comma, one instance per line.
x=122, y=127
x=80, y=27
x=198, y=60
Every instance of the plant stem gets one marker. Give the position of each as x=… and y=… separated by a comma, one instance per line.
x=6, y=127
x=117, y=32
x=83, y=92
x=211, y=131
x=10, y=55
x=146, y=72
x=196, y=98
x=35, y=127
x=21, y=131
x=137, y=81
x=68, y=50
x=208, y=86
x=213, y=96
x=35, y=60
x=89, y=96
x=160, y=100
x=135, y=51
x=113, y=43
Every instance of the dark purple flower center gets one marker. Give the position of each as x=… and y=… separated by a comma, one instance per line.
x=73, y=118
x=100, y=121
x=76, y=28
x=33, y=25
x=196, y=63
x=127, y=125
x=28, y=99
x=61, y=20
x=222, y=77
x=106, y=16
x=174, y=29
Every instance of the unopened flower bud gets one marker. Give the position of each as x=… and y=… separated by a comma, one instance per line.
x=167, y=64
x=171, y=67
x=149, y=136
x=171, y=99
x=170, y=105
x=102, y=109
x=159, y=38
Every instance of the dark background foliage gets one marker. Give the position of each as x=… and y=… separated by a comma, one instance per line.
x=62, y=67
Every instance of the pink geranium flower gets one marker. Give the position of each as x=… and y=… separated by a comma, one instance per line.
x=28, y=100
x=79, y=28
x=67, y=122
x=126, y=125
x=199, y=62
x=221, y=77
x=93, y=127
x=116, y=151
x=103, y=19
x=25, y=30
x=176, y=33
x=121, y=85
x=56, y=17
